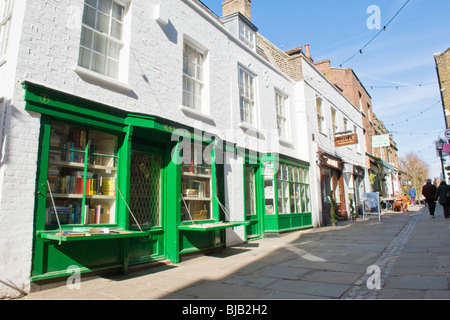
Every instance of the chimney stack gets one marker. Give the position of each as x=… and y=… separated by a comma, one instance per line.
x=307, y=51
x=233, y=6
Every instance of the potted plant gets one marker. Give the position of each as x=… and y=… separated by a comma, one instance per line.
x=334, y=216
x=352, y=208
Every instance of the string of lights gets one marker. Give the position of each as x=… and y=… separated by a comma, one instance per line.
x=403, y=86
x=416, y=115
x=360, y=51
x=415, y=133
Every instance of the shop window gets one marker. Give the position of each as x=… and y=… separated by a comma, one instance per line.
x=102, y=36
x=293, y=190
x=326, y=185
x=196, y=184
x=269, y=188
x=82, y=173
x=145, y=189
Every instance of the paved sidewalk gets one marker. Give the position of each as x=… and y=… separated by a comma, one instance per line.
x=411, y=251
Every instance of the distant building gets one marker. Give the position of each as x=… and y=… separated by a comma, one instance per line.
x=383, y=160
x=335, y=169
x=443, y=71
x=349, y=84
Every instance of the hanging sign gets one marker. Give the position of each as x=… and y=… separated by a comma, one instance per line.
x=379, y=141
x=346, y=140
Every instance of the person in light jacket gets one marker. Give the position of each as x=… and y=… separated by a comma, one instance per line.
x=412, y=194
x=444, y=200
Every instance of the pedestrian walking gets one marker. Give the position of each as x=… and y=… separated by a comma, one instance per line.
x=412, y=194
x=429, y=191
x=443, y=194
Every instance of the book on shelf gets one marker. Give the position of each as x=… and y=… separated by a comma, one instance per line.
x=109, y=186
x=67, y=213
x=98, y=213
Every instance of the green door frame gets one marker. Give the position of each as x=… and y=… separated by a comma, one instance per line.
x=257, y=222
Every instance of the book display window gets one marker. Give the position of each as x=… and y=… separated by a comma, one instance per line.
x=292, y=190
x=82, y=173
x=196, y=186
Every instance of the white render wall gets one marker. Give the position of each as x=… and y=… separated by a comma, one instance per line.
x=316, y=84
x=49, y=34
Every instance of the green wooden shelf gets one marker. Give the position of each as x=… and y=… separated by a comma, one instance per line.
x=55, y=237
x=213, y=226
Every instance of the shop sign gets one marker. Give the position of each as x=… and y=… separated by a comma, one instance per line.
x=346, y=140
x=331, y=162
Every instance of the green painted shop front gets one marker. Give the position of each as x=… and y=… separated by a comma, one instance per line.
x=112, y=190
x=139, y=213
x=284, y=194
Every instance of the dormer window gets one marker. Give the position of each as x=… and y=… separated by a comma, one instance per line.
x=241, y=28
x=246, y=35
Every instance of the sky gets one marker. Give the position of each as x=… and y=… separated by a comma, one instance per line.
x=397, y=67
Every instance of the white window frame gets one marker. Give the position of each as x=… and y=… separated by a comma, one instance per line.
x=320, y=115
x=6, y=11
x=195, y=76
x=282, y=109
x=334, y=121
x=119, y=73
x=246, y=35
x=247, y=97
x=345, y=123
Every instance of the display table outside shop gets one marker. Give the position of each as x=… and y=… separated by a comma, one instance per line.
x=213, y=226
x=83, y=236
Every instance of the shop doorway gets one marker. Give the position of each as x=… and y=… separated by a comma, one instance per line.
x=332, y=185
x=145, y=189
x=254, y=229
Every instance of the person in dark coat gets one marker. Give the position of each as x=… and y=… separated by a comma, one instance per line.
x=444, y=200
x=429, y=191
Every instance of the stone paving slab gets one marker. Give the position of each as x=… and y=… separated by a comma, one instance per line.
x=326, y=290
x=417, y=283
x=411, y=249
x=331, y=277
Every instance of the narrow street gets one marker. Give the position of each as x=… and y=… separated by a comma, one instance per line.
x=410, y=249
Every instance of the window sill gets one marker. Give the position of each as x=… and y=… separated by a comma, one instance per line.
x=101, y=80
x=248, y=127
x=285, y=142
x=190, y=112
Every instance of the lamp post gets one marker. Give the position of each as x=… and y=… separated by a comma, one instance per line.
x=439, y=147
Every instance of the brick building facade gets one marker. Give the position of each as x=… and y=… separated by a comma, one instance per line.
x=443, y=72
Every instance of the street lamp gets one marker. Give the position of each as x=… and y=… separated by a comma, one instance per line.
x=439, y=147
